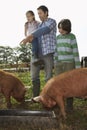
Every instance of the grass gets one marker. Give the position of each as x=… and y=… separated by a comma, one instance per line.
x=76, y=120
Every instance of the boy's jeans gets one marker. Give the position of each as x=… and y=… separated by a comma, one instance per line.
x=62, y=67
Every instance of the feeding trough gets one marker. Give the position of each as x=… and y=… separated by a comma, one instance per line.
x=26, y=113
x=27, y=120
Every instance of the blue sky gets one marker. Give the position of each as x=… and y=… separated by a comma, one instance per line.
x=12, y=19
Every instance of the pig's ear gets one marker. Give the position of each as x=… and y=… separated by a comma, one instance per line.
x=37, y=99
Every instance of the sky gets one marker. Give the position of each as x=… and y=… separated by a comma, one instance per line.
x=12, y=19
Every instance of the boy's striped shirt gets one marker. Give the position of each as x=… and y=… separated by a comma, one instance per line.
x=67, y=49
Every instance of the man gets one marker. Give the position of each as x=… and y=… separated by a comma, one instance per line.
x=46, y=34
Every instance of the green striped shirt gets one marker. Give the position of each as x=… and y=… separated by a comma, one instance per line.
x=67, y=49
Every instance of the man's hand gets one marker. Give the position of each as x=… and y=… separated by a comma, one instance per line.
x=23, y=42
x=28, y=39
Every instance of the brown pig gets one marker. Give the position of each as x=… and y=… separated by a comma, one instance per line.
x=10, y=85
x=69, y=84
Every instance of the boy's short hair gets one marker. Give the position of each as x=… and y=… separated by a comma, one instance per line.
x=43, y=8
x=65, y=24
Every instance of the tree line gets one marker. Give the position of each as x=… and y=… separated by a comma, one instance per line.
x=19, y=54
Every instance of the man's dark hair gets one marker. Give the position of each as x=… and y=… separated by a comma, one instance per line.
x=65, y=24
x=43, y=8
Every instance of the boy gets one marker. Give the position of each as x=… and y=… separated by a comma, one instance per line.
x=66, y=53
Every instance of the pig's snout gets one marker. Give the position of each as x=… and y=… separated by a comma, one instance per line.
x=36, y=99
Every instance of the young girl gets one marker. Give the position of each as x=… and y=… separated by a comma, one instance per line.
x=30, y=26
x=66, y=55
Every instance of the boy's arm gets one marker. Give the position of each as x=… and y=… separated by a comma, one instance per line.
x=76, y=53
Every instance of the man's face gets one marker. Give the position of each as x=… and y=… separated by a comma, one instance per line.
x=42, y=15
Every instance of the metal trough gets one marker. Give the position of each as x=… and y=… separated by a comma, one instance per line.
x=27, y=120
x=13, y=112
